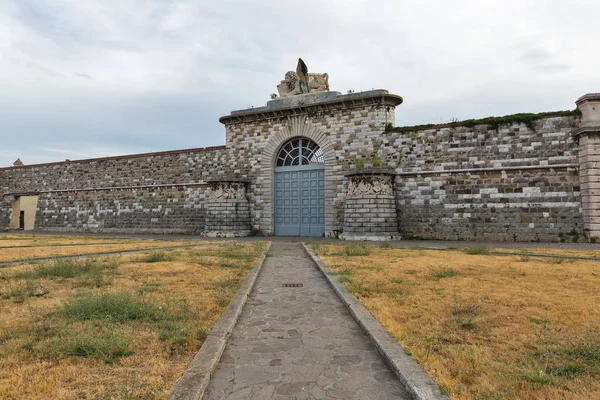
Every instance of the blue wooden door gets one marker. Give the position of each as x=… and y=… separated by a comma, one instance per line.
x=300, y=201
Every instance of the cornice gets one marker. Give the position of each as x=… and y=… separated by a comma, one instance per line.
x=355, y=100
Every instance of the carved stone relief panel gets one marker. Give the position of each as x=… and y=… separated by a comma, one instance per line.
x=226, y=191
x=360, y=185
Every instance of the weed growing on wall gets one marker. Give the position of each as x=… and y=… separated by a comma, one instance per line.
x=492, y=122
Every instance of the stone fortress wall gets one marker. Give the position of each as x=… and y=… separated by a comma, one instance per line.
x=514, y=181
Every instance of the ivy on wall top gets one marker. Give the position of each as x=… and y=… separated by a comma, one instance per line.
x=493, y=122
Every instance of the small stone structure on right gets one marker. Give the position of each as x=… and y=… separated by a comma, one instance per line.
x=588, y=137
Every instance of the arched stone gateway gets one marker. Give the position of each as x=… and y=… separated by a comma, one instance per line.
x=296, y=166
x=299, y=189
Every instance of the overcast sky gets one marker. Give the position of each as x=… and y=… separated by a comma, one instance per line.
x=92, y=78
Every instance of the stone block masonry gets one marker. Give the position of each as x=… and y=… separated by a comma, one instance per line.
x=135, y=210
x=6, y=203
x=227, y=209
x=533, y=180
x=370, y=211
x=510, y=183
x=588, y=136
x=514, y=205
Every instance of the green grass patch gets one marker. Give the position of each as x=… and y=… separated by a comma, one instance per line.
x=175, y=335
x=125, y=306
x=18, y=291
x=465, y=311
x=357, y=249
x=558, y=260
x=437, y=273
x=68, y=268
x=360, y=288
x=537, y=374
x=95, y=279
x=156, y=256
x=149, y=287
x=477, y=250
x=539, y=320
x=108, y=347
x=585, y=350
x=224, y=289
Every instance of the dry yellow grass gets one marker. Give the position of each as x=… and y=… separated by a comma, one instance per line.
x=11, y=239
x=186, y=293
x=484, y=326
x=566, y=253
x=42, y=246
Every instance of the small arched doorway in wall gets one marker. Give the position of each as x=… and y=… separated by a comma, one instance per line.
x=299, y=189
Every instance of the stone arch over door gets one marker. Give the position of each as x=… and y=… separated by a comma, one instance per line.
x=295, y=127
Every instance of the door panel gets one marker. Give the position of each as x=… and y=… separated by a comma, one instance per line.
x=300, y=202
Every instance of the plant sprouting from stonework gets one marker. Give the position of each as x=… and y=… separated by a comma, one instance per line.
x=401, y=156
x=373, y=160
x=375, y=157
x=359, y=163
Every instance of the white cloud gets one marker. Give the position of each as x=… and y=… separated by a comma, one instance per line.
x=135, y=75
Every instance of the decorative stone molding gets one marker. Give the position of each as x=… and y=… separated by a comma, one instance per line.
x=360, y=185
x=370, y=209
x=227, y=209
x=304, y=106
x=588, y=136
x=226, y=190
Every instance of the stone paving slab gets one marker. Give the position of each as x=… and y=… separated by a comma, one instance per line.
x=299, y=342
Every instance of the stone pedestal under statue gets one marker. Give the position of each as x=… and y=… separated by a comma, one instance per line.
x=370, y=208
x=227, y=209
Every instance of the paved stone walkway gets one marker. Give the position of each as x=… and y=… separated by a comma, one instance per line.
x=299, y=342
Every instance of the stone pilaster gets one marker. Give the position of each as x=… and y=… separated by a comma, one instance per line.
x=370, y=208
x=227, y=209
x=588, y=136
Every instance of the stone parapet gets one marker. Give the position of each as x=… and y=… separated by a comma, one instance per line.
x=312, y=103
x=370, y=208
x=227, y=209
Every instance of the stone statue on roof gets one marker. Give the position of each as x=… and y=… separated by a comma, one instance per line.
x=301, y=82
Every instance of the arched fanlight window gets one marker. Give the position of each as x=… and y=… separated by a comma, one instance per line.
x=299, y=151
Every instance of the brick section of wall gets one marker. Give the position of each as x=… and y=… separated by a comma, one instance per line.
x=157, y=210
x=5, y=203
x=515, y=145
x=477, y=183
x=530, y=205
x=227, y=218
x=155, y=169
x=130, y=194
x=370, y=210
x=370, y=215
